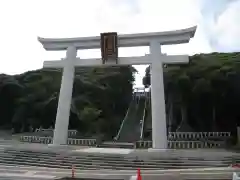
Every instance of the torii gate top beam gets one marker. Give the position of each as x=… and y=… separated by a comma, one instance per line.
x=126, y=40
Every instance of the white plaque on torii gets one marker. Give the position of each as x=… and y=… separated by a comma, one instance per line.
x=155, y=59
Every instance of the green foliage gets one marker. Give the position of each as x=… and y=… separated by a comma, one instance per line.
x=89, y=114
x=100, y=99
x=205, y=92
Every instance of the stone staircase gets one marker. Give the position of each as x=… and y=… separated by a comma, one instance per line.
x=130, y=128
x=98, y=161
x=43, y=156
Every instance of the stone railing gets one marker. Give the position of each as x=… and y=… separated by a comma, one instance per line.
x=197, y=135
x=70, y=132
x=181, y=144
x=49, y=140
x=36, y=139
x=82, y=142
x=190, y=140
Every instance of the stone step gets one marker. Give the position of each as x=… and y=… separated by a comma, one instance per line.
x=113, y=164
x=117, y=145
x=84, y=164
x=104, y=161
x=118, y=160
x=167, y=155
x=100, y=157
x=90, y=166
x=98, y=161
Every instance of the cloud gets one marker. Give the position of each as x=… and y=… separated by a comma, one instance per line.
x=228, y=28
x=220, y=21
x=132, y=7
x=22, y=21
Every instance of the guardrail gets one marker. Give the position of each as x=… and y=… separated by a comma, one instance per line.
x=49, y=140
x=143, y=118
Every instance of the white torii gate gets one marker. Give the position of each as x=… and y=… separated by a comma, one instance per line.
x=155, y=59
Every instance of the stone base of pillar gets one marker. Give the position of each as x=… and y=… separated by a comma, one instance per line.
x=157, y=150
x=159, y=153
x=57, y=146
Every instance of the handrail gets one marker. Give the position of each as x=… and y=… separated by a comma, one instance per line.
x=143, y=119
x=138, y=101
x=120, y=129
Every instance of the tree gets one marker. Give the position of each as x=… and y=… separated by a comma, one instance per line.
x=100, y=98
x=204, y=91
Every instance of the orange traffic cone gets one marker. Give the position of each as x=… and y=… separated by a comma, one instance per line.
x=73, y=171
x=139, y=176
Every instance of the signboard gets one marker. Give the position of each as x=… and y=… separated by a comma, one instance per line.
x=109, y=47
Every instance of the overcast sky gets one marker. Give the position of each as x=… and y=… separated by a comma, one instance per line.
x=21, y=21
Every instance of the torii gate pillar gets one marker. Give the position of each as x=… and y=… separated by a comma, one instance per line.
x=65, y=98
x=155, y=59
x=159, y=127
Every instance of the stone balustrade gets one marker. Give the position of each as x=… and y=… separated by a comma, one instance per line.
x=70, y=132
x=49, y=140
x=82, y=142
x=36, y=139
x=181, y=144
x=176, y=140
x=191, y=140
x=197, y=135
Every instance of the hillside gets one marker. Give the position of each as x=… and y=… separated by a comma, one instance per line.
x=100, y=99
x=203, y=95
